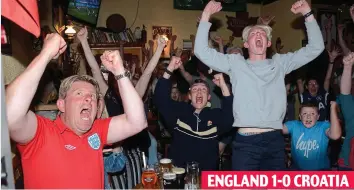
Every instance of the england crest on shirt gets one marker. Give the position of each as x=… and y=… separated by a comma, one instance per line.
x=94, y=141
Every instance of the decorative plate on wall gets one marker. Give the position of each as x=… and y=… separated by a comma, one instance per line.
x=116, y=23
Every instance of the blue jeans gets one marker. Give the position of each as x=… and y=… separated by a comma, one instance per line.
x=152, y=150
x=114, y=162
x=265, y=151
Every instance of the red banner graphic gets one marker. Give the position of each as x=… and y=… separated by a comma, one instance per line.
x=277, y=180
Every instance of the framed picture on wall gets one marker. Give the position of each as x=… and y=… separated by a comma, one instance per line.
x=328, y=18
x=165, y=31
x=6, y=46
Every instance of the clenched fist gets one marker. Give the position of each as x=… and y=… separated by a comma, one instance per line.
x=175, y=63
x=212, y=7
x=219, y=80
x=53, y=46
x=82, y=34
x=161, y=41
x=113, y=62
x=349, y=59
x=300, y=6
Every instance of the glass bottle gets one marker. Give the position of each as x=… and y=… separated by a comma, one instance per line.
x=144, y=35
x=192, y=176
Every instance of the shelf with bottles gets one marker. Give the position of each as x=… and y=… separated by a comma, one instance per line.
x=115, y=45
x=105, y=38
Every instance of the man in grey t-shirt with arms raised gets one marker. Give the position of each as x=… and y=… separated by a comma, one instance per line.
x=259, y=104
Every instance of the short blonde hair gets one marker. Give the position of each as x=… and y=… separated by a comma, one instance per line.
x=68, y=82
x=266, y=28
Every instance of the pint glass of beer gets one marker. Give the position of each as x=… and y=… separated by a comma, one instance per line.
x=180, y=175
x=169, y=181
x=149, y=178
x=166, y=165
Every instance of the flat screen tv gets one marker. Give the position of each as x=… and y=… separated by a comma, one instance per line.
x=84, y=10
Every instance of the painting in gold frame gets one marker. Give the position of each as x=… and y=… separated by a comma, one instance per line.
x=165, y=31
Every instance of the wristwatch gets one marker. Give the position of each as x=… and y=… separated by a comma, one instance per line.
x=168, y=72
x=308, y=14
x=120, y=76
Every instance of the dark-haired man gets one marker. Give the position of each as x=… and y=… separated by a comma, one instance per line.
x=194, y=126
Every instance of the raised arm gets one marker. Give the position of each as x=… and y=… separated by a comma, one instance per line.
x=172, y=48
x=335, y=130
x=220, y=82
x=132, y=69
x=100, y=107
x=225, y=117
x=162, y=96
x=219, y=41
x=146, y=52
x=151, y=49
x=300, y=86
x=341, y=41
x=209, y=56
x=332, y=56
x=134, y=120
x=145, y=77
x=19, y=93
x=315, y=46
x=346, y=80
x=121, y=48
x=185, y=74
x=91, y=60
x=346, y=97
x=328, y=31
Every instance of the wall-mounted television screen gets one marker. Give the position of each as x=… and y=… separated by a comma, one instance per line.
x=84, y=10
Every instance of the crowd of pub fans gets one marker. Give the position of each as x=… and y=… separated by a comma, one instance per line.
x=205, y=99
